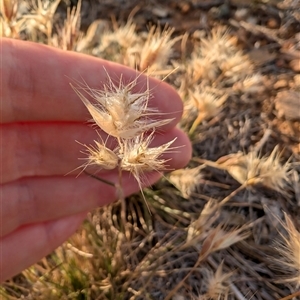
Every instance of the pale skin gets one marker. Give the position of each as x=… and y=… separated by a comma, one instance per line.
x=41, y=117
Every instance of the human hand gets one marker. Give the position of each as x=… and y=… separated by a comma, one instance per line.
x=41, y=117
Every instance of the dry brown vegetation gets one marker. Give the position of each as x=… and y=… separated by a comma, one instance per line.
x=227, y=226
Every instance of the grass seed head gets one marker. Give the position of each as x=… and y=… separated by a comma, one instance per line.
x=208, y=105
x=138, y=157
x=218, y=55
x=69, y=34
x=217, y=284
x=236, y=66
x=289, y=251
x=218, y=239
x=202, y=68
x=157, y=49
x=92, y=37
x=186, y=180
x=251, y=84
x=101, y=156
x=8, y=9
x=253, y=169
x=219, y=46
x=11, y=24
x=115, y=44
x=41, y=16
x=119, y=111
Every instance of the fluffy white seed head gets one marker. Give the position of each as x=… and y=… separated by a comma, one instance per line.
x=253, y=169
x=288, y=249
x=101, y=156
x=138, y=157
x=119, y=111
x=157, y=49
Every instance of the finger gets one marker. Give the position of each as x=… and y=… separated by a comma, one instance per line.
x=30, y=149
x=29, y=244
x=35, y=200
x=35, y=83
x=51, y=149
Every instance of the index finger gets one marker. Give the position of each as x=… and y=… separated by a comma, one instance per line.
x=35, y=83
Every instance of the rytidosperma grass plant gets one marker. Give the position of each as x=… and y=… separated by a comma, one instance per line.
x=124, y=114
